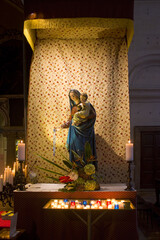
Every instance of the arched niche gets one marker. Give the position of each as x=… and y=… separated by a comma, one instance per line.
x=145, y=73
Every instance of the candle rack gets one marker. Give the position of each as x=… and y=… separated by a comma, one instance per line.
x=6, y=196
x=129, y=182
x=94, y=209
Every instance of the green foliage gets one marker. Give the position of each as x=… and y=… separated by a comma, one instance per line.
x=85, y=177
x=89, y=169
x=90, y=185
x=88, y=151
x=68, y=164
x=78, y=158
x=47, y=170
x=54, y=179
x=56, y=165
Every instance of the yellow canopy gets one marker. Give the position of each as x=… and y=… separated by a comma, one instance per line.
x=72, y=28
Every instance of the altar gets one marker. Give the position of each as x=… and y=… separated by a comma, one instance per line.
x=42, y=223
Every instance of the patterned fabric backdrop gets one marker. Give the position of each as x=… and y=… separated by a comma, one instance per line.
x=96, y=66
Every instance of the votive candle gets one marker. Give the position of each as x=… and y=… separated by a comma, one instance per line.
x=108, y=202
x=88, y=206
x=79, y=206
x=110, y=206
x=100, y=207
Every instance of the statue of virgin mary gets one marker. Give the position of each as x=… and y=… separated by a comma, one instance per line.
x=80, y=134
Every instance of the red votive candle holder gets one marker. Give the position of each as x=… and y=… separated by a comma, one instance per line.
x=73, y=204
x=108, y=202
x=99, y=202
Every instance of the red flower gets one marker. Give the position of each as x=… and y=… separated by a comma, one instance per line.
x=65, y=179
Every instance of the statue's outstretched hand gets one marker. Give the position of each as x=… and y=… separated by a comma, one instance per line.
x=66, y=124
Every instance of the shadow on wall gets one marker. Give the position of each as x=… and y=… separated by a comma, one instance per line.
x=111, y=167
x=38, y=162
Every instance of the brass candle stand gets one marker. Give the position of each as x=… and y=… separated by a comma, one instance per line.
x=129, y=182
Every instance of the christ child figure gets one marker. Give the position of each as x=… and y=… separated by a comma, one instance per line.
x=83, y=110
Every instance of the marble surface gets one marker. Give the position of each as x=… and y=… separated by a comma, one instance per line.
x=51, y=187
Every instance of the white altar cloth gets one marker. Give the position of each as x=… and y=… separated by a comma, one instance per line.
x=52, y=187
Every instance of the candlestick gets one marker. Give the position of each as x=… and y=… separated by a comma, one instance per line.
x=129, y=181
x=19, y=180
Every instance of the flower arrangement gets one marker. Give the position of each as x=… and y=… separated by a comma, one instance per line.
x=79, y=175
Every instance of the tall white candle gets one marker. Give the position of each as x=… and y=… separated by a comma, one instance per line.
x=21, y=151
x=10, y=175
x=25, y=171
x=14, y=167
x=129, y=151
x=13, y=173
x=17, y=165
x=1, y=183
x=5, y=177
x=11, y=178
x=7, y=173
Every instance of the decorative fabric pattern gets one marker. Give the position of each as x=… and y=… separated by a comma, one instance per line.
x=98, y=67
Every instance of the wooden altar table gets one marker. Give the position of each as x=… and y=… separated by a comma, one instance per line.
x=49, y=224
